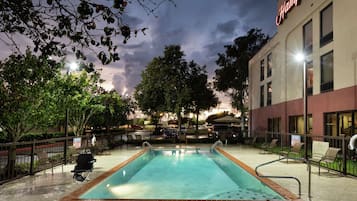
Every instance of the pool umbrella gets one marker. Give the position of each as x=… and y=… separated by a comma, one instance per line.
x=226, y=119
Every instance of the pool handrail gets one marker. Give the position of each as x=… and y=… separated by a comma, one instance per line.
x=147, y=144
x=218, y=142
x=278, y=177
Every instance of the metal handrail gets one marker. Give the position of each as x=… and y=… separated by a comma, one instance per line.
x=218, y=142
x=277, y=177
x=147, y=144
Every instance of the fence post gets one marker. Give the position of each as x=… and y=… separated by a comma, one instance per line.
x=344, y=161
x=32, y=162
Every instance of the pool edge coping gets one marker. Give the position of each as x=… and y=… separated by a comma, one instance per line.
x=76, y=194
x=271, y=184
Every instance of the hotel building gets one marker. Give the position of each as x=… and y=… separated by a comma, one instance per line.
x=326, y=32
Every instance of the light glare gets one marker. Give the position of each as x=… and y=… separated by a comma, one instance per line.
x=300, y=57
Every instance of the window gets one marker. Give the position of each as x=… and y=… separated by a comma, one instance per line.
x=262, y=70
x=327, y=72
x=310, y=78
x=331, y=124
x=326, y=26
x=307, y=35
x=338, y=123
x=269, y=65
x=296, y=124
x=261, y=96
x=345, y=123
x=269, y=93
x=274, y=125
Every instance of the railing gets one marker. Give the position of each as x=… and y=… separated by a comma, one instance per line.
x=147, y=144
x=218, y=142
x=26, y=158
x=277, y=177
x=346, y=157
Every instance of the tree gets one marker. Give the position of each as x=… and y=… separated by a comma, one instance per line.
x=26, y=101
x=115, y=112
x=150, y=92
x=171, y=84
x=202, y=96
x=232, y=76
x=80, y=98
x=175, y=75
x=59, y=26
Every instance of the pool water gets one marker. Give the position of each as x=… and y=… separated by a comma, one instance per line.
x=181, y=174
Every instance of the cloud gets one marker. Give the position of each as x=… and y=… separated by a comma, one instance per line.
x=228, y=27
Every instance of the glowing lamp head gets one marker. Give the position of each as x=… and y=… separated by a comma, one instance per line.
x=300, y=57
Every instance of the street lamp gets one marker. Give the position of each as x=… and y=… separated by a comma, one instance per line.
x=300, y=57
x=71, y=67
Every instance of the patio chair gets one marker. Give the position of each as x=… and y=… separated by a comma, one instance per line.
x=330, y=157
x=268, y=147
x=295, y=149
x=319, y=149
x=84, y=167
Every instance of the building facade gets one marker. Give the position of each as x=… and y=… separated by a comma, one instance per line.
x=326, y=32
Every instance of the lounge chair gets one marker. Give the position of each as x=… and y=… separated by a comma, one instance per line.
x=84, y=166
x=268, y=147
x=294, y=149
x=330, y=157
x=319, y=149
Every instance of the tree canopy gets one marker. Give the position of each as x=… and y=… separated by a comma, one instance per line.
x=171, y=84
x=115, y=112
x=57, y=27
x=232, y=74
x=26, y=101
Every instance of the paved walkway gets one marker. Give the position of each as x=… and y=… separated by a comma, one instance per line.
x=327, y=187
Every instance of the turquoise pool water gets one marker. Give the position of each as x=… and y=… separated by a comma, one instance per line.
x=181, y=174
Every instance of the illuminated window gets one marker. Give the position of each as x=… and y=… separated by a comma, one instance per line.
x=269, y=93
x=327, y=72
x=331, y=124
x=345, y=123
x=262, y=70
x=269, y=65
x=296, y=124
x=326, y=26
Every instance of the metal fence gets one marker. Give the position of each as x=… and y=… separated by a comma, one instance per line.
x=26, y=158
x=346, y=161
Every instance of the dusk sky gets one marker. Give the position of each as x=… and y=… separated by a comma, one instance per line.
x=201, y=27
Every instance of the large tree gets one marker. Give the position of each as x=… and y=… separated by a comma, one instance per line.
x=56, y=27
x=232, y=75
x=26, y=101
x=171, y=84
x=201, y=93
x=79, y=95
x=149, y=93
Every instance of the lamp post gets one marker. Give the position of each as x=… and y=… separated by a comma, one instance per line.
x=301, y=58
x=71, y=67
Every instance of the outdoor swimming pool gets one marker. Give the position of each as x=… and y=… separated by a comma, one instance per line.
x=181, y=174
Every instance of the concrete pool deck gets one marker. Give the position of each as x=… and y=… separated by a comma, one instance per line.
x=327, y=187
